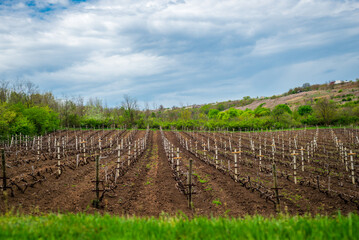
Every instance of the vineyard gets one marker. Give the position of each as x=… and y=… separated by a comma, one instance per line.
x=148, y=173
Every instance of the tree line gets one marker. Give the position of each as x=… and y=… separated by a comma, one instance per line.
x=26, y=110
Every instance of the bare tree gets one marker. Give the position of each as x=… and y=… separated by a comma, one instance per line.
x=4, y=90
x=147, y=110
x=130, y=105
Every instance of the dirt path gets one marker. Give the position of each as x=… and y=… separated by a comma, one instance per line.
x=148, y=189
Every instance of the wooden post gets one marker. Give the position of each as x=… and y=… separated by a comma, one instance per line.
x=177, y=162
x=295, y=166
x=216, y=156
x=346, y=159
x=204, y=152
x=59, y=167
x=129, y=154
x=230, y=144
x=3, y=165
x=302, y=154
x=190, y=184
x=63, y=146
x=38, y=148
x=97, y=201
x=282, y=146
x=273, y=150
x=352, y=166
x=118, y=162
x=99, y=146
x=196, y=148
x=172, y=156
x=277, y=203
x=49, y=144
x=235, y=165
x=58, y=151
x=260, y=157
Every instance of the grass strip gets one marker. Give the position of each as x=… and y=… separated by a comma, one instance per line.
x=84, y=226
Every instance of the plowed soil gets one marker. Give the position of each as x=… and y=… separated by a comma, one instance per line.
x=148, y=188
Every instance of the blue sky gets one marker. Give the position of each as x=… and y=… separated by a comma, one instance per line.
x=177, y=52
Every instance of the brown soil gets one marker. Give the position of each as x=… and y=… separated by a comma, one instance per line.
x=148, y=187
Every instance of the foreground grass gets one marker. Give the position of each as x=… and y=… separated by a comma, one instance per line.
x=82, y=226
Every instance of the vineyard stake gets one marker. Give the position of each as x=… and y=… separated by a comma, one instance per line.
x=277, y=202
x=302, y=154
x=260, y=157
x=97, y=201
x=84, y=150
x=172, y=156
x=196, y=148
x=346, y=159
x=4, y=187
x=38, y=148
x=295, y=166
x=129, y=154
x=352, y=166
x=190, y=184
x=118, y=162
x=58, y=151
x=216, y=156
x=235, y=165
x=177, y=162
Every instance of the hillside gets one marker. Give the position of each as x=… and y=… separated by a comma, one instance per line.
x=340, y=93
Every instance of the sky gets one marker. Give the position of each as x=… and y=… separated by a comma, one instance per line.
x=177, y=52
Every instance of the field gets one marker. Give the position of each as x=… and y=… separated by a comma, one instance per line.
x=147, y=173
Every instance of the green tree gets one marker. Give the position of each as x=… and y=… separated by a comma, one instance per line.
x=213, y=113
x=220, y=107
x=22, y=125
x=261, y=111
x=6, y=118
x=325, y=110
x=232, y=112
x=43, y=118
x=305, y=110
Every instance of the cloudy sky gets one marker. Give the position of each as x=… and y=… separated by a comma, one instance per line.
x=177, y=52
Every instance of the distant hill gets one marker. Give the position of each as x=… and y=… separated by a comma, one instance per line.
x=340, y=93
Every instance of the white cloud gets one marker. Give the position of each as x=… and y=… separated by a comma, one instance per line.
x=164, y=43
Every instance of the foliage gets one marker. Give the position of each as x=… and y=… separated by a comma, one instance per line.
x=325, y=110
x=213, y=113
x=305, y=110
x=43, y=118
x=261, y=111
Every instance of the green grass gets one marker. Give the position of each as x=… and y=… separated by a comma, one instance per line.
x=217, y=202
x=82, y=226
